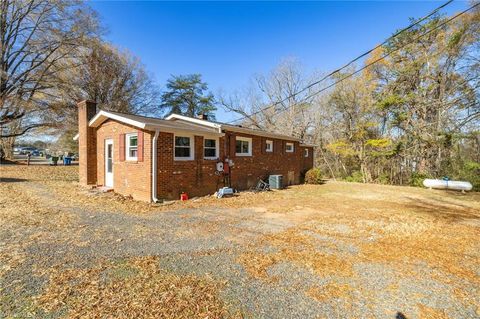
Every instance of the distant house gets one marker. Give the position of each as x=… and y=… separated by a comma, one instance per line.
x=152, y=159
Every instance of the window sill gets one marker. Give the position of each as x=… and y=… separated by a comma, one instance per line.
x=181, y=159
x=243, y=155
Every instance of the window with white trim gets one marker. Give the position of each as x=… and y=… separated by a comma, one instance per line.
x=269, y=146
x=243, y=146
x=183, y=149
x=210, y=148
x=131, y=146
x=289, y=148
x=306, y=152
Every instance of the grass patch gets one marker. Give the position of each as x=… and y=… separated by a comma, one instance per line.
x=329, y=291
x=137, y=288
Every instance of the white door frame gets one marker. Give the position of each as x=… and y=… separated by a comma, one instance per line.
x=109, y=165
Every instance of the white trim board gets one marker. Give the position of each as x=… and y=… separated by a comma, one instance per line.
x=191, y=147
x=244, y=139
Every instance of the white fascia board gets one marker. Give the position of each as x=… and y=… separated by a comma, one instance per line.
x=200, y=130
x=259, y=133
x=101, y=116
x=190, y=125
x=307, y=145
x=182, y=130
x=193, y=120
x=230, y=127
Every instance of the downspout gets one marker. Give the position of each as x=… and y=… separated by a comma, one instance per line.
x=154, y=166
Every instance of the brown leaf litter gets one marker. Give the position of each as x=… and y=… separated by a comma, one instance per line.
x=136, y=288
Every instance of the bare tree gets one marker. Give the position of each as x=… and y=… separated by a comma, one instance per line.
x=272, y=101
x=37, y=38
x=115, y=79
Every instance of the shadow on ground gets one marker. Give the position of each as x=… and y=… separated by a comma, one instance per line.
x=12, y=180
x=444, y=210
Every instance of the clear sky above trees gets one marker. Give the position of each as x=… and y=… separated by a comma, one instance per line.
x=229, y=42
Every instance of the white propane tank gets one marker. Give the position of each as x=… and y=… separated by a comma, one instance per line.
x=442, y=184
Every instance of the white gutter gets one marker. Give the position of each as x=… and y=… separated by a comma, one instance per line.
x=154, y=166
x=250, y=131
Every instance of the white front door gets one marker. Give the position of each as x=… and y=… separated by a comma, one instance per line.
x=109, y=163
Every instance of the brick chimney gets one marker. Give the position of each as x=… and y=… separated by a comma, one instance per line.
x=87, y=143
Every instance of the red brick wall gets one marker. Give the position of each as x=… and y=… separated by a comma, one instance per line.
x=248, y=169
x=86, y=144
x=197, y=177
x=129, y=177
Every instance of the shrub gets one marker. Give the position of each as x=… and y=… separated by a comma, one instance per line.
x=384, y=179
x=416, y=179
x=470, y=172
x=356, y=177
x=313, y=176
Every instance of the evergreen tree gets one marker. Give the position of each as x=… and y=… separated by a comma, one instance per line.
x=186, y=95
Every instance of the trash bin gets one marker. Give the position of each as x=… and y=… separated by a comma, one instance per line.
x=54, y=160
x=67, y=161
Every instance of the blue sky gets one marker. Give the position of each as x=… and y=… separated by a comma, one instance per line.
x=228, y=42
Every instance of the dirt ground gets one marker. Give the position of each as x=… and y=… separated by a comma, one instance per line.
x=338, y=250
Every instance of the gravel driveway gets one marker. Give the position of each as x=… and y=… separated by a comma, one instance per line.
x=311, y=257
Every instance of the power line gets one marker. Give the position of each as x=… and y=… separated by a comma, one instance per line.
x=349, y=63
x=388, y=54
x=375, y=61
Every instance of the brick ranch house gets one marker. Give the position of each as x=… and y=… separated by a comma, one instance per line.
x=152, y=159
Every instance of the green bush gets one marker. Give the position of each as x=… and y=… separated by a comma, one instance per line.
x=384, y=179
x=313, y=176
x=416, y=179
x=356, y=177
x=470, y=172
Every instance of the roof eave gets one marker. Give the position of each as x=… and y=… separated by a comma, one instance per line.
x=102, y=116
x=249, y=131
x=193, y=120
x=307, y=145
x=182, y=130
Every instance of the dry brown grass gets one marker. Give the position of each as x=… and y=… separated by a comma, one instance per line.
x=62, y=181
x=430, y=313
x=256, y=264
x=136, y=288
x=19, y=208
x=331, y=290
x=399, y=226
x=298, y=248
x=406, y=228
x=406, y=224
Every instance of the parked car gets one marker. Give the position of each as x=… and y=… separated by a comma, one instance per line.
x=35, y=153
x=27, y=150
